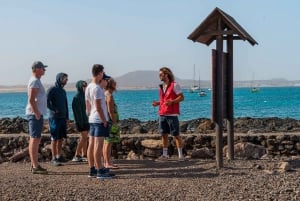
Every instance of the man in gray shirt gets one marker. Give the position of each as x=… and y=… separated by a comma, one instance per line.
x=35, y=110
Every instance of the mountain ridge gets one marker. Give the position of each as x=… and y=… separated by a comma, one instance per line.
x=148, y=79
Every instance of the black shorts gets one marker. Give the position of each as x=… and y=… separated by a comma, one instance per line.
x=84, y=127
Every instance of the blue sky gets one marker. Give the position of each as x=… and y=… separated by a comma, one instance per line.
x=128, y=35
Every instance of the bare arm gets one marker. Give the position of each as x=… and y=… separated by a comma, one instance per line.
x=88, y=107
x=100, y=111
x=32, y=96
x=111, y=108
x=178, y=99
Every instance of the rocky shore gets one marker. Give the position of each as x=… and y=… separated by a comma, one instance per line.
x=253, y=139
x=201, y=125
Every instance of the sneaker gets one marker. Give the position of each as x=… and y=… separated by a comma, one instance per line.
x=107, y=171
x=93, y=172
x=61, y=159
x=55, y=162
x=84, y=159
x=39, y=170
x=104, y=174
x=181, y=159
x=77, y=159
x=163, y=158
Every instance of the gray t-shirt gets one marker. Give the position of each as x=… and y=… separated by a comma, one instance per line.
x=41, y=97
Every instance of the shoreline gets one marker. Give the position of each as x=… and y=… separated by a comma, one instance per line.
x=22, y=89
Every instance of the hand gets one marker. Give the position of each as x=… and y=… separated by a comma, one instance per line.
x=155, y=103
x=37, y=116
x=169, y=102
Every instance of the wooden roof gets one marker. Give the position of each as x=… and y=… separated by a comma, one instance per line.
x=207, y=31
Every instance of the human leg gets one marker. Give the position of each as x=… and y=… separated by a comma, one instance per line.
x=55, y=136
x=90, y=152
x=33, y=151
x=54, y=148
x=174, y=130
x=164, y=130
x=102, y=172
x=35, y=132
x=83, y=142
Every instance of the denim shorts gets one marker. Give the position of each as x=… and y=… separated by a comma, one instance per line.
x=35, y=126
x=58, y=128
x=98, y=130
x=169, y=125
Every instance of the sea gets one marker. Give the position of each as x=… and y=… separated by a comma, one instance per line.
x=282, y=102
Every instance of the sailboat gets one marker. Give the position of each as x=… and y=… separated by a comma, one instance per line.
x=254, y=89
x=201, y=91
x=194, y=88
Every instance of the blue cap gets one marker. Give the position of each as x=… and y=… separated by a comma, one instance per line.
x=105, y=77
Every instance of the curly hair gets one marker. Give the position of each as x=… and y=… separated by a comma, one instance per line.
x=167, y=71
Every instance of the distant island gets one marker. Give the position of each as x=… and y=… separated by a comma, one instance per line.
x=149, y=80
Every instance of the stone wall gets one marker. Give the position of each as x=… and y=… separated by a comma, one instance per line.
x=14, y=147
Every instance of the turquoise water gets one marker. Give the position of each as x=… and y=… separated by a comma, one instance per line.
x=279, y=102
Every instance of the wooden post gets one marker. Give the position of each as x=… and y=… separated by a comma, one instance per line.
x=229, y=97
x=219, y=99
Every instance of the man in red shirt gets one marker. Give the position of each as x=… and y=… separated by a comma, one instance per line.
x=170, y=95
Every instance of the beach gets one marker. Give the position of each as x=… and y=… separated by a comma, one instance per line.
x=195, y=179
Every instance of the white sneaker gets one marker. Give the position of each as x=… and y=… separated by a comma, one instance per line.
x=162, y=158
x=84, y=159
x=77, y=159
x=181, y=159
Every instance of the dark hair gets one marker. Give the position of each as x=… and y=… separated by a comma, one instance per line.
x=97, y=68
x=167, y=71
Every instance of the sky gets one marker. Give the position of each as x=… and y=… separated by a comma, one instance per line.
x=129, y=35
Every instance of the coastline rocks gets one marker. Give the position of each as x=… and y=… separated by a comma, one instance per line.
x=201, y=125
x=141, y=139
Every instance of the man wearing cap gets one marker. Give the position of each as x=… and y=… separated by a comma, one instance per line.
x=35, y=110
x=98, y=120
x=57, y=104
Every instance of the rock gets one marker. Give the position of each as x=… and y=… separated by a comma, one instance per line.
x=246, y=150
x=284, y=166
x=19, y=155
x=152, y=144
x=202, y=153
x=132, y=156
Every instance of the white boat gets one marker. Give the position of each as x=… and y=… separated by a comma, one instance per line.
x=254, y=89
x=194, y=88
x=202, y=92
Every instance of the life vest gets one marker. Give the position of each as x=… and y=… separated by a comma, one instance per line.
x=168, y=95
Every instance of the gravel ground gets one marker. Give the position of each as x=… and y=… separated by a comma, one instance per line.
x=149, y=180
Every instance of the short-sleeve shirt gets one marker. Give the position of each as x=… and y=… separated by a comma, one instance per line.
x=94, y=92
x=177, y=88
x=41, y=97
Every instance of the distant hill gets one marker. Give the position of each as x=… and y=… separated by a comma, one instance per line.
x=149, y=79
x=138, y=79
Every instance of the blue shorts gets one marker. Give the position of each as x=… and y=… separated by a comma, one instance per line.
x=98, y=130
x=58, y=128
x=168, y=125
x=35, y=126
